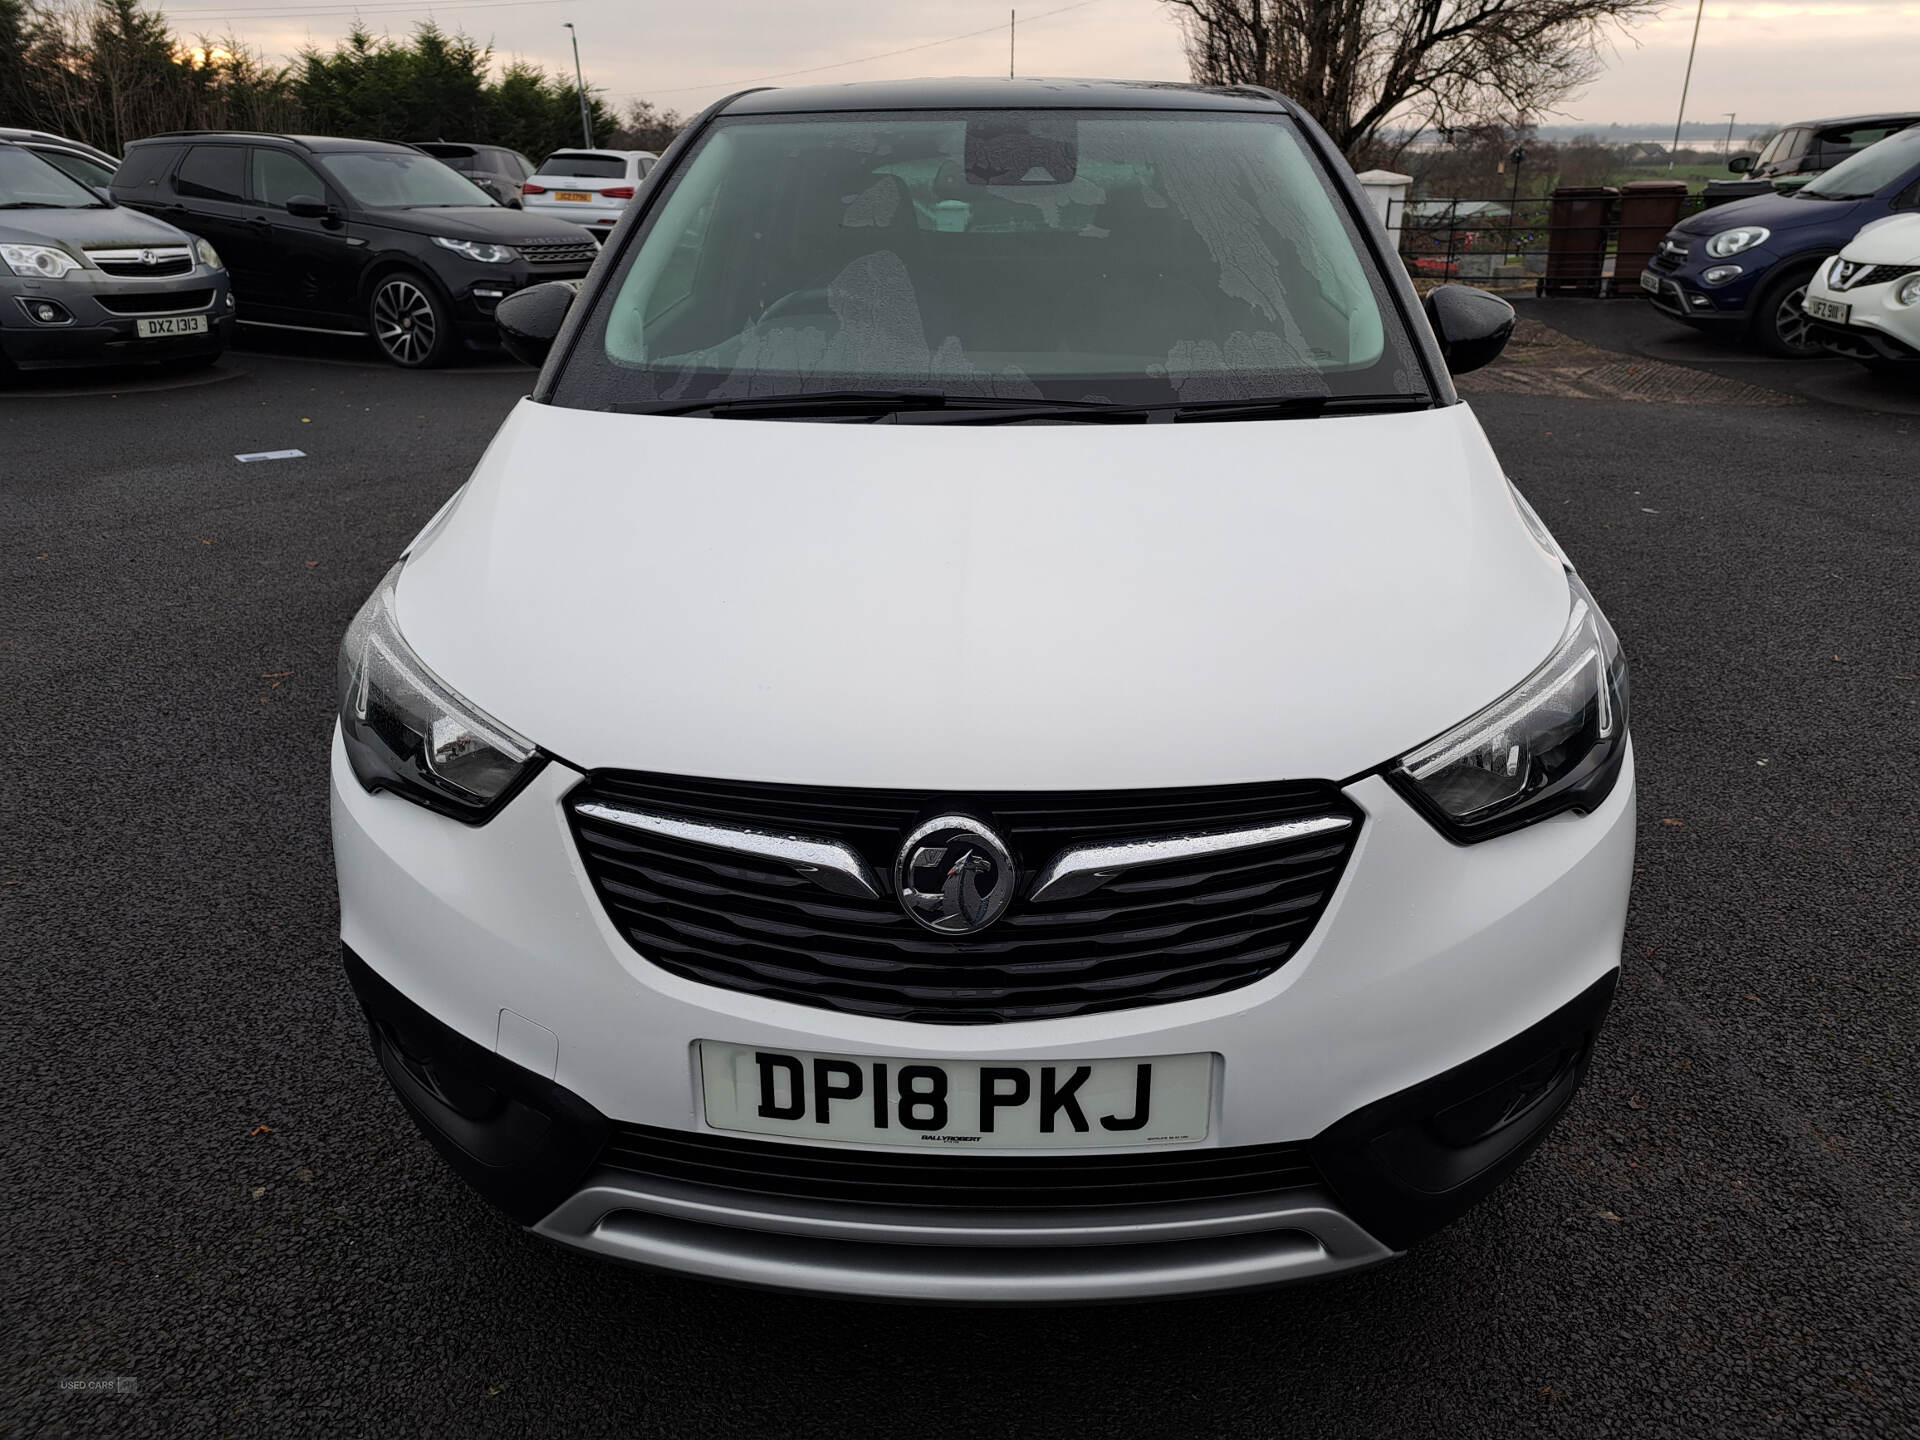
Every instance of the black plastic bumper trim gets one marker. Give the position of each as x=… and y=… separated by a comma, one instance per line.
x=522, y=1141
x=1398, y=1166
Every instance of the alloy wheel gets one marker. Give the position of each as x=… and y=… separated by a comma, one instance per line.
x=1791, y=324
x=404, y=322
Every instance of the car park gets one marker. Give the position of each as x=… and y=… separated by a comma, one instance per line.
x=351, y=237
x=90, y=166
x=86, y=282
x=494, y=168
x=993, y=730
x=1742, y=269
x=1865, y=302
x=588, y=187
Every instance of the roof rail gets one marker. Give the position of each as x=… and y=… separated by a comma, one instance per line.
x=191, y=134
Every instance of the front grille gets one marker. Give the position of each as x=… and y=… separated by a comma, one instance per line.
x=565, y=252
x=1173, y=931
x=153, y=263
x=1880, y=275
x=147, y=303
x=1670, y=255
x=947, y=1181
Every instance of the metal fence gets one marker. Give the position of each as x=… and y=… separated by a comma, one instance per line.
x=1587, y=243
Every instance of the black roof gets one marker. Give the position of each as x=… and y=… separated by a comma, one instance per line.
x=1879, y=117
x=321, y=144
x=1021, y=94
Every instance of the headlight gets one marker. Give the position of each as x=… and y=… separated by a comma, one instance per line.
x=407, y=731
x=1719, y=274
x=39, y=262
x=1732, y=242
x=209, y=256
x=1556, y=742
x=1909, y=292
x=481, y=250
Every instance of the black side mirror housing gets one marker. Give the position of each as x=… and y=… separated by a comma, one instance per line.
x=1740, y=164
x=1472, y=325
x=530, y=319
x=309, y=207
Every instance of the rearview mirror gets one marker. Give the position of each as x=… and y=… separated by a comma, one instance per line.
x=309, y=207
x=1472, y=325
x=529, y=320
x=1740, y=164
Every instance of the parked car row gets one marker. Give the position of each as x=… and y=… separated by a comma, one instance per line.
x=1749, y=268
x=411, y=245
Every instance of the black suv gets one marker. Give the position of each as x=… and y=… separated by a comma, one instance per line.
x=350, y=237
x=494, y=168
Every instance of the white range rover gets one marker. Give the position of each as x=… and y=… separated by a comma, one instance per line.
x=1030, y=752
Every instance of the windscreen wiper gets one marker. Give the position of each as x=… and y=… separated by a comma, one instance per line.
x=914, y=407
x=877, y=403
x=1282, y=407
x=1299, y=406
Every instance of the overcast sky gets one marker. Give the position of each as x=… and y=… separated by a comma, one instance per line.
x=1763, y=61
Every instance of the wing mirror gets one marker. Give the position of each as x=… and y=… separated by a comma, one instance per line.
x=1740, y=164
x=1472, y=325
x=310, y=207
x=530, y=319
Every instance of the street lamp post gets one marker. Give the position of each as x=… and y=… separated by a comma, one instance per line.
x=586, y=123
x=1727, y=149
x=1681, y=118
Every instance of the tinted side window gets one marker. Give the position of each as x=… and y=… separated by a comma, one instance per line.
x=1857, y=138
x=278, y=177
x=213, y=172
x=144, y=164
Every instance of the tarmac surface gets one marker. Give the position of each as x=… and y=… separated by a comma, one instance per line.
x=219, y=1219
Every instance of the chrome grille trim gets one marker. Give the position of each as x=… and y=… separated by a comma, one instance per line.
x=829, y=864
x=1086, y=868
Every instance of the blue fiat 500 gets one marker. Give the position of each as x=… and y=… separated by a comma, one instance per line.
x=1742, y=269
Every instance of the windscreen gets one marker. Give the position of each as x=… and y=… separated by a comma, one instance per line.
x=1867, y=173
x=1134, y=257
x=29, y=183
x=400, y=180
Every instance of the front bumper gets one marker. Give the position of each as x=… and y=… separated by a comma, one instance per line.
x=477, y=291
x=522, y=1030
x=1683, y=295
x=101, y=315
x=1876, y=330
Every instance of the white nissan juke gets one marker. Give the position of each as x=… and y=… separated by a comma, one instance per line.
x=1029, y=753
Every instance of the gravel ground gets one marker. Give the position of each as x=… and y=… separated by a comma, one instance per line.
x=210, y=1190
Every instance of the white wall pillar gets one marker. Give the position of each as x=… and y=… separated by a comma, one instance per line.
x=1388, y=194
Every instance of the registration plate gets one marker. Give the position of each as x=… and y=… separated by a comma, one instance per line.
x=958, y=1104
x=1831, y=310
x=1650, y=282
x=571, y=195
x=171, y=325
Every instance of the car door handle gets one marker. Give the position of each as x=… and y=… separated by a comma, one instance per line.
x=259, y=222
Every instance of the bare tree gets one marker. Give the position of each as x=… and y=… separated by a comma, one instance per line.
x=647, y=127
x=1357, y=65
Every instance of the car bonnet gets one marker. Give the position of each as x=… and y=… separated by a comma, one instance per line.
x=1023, y=606
x=84, y=229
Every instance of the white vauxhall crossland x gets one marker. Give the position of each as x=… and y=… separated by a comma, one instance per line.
x=993, y=730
